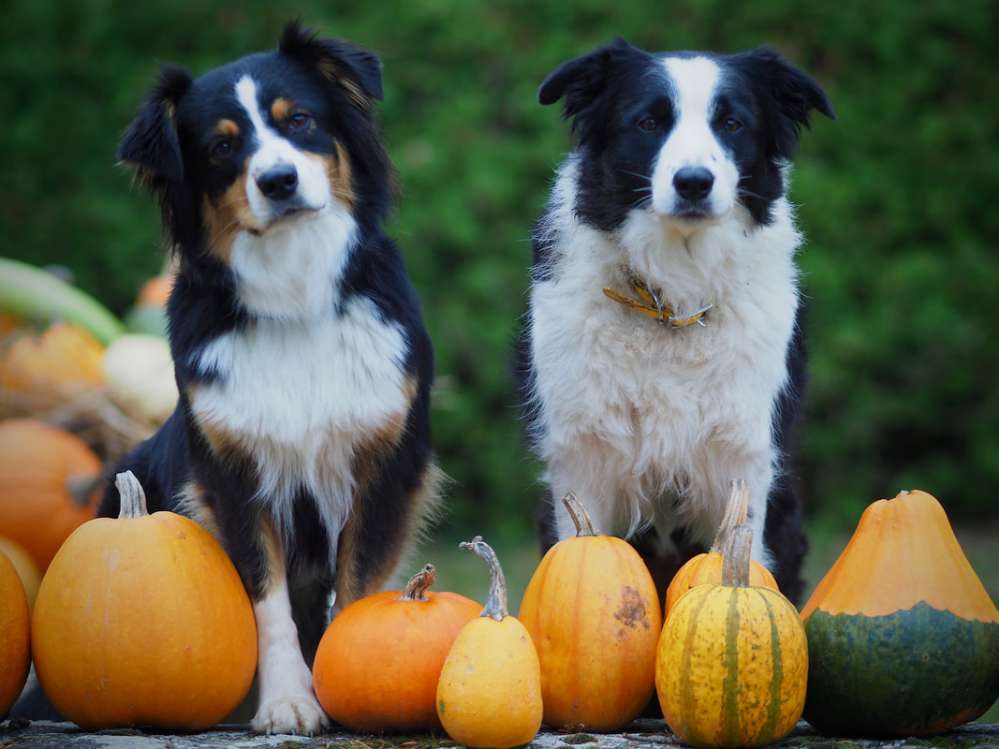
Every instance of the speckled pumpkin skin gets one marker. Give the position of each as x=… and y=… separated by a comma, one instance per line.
x=732, y=667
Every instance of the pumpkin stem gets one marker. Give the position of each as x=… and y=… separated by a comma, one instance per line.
x=133, y=498
x=81, y=488
x=735, y=566
x=419, y=583
x=735, y=514
x=495, y=607
x=580, y=517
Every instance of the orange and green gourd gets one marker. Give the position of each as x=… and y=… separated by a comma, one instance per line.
x=732, y=662
x=489, y=693
x=592, y=609
x=903, y=637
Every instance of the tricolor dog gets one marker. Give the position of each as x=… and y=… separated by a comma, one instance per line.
x=662, y=354
x=301, y=438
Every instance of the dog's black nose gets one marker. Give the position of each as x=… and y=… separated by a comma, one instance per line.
x=693, y=182
x=279, y=182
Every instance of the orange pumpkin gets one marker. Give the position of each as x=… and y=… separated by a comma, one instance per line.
x=61, y=362
x=143, y=620
x=379, y=661
x=593, y=612
x=13, y=636
x=47, y=486
x=156, y=291
x=707, y=568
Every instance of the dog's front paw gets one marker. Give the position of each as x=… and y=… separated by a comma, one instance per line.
x=295, y=713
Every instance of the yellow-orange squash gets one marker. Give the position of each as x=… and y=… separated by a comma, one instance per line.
x=61, y=362
x=14, y=652
x=593, y=612
x=379, y=661
x=26, y=568
x=143, y=620
x=732, y=662
x=489, y=694
x=707, y=567
x=47, y=480
x=903, y=638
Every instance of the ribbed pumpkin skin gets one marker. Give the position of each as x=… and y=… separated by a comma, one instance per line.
x=593, y=612
x=707, y=568
x=14, y=652
x=903, y=636
x=143, y=621
x=732, y=667
x=489, y=695
x=379, y=661
x=37, y=511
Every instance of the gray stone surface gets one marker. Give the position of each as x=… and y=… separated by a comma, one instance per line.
x=647, y=733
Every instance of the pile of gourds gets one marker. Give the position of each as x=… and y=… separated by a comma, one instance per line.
x=899, y=638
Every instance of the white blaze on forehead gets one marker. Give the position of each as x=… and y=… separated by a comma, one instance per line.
x=692, y=142
x=272, y=149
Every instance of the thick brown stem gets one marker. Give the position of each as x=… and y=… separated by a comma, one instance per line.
x=580, y=518
x=133, y=498
x=735, y=514
x=735, y=568
x=419, y=584
x=495, y=607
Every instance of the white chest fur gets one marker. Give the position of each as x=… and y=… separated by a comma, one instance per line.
x=301, y=396
x=635, y=417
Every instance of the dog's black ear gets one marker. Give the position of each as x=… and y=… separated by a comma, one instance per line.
x=356, y=70
x=583, y=79
x=151, y=144
x=794, y=93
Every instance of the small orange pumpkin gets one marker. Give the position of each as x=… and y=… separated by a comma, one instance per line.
x=379, y=661
x=156, y=291
x=14, y=650
x=707, y=567
x=61, y=362
x=593, y=612
x=143, y=620
x=47, y=486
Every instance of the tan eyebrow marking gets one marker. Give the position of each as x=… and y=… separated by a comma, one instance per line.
x=227, y=128
x=281, y=108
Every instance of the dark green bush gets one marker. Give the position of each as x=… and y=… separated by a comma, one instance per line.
x=896, y=199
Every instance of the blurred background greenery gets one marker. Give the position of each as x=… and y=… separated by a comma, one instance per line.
x=897, y=199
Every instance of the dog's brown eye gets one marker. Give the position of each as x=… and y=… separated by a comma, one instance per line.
x=221, y=149
x=648, y=124
x=299, y=120
x=732, y=125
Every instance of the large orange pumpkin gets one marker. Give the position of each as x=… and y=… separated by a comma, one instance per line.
x=13, y=636
x=143, y=620
x=707, y=568
x=47, y=480
x=592, y=609
x=379, y=661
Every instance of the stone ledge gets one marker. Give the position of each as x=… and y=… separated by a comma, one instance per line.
x=20, y=734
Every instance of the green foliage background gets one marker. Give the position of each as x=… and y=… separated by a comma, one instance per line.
x=896, y=198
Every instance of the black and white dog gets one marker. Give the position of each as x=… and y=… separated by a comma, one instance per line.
x=662, y=355
x=302, y=437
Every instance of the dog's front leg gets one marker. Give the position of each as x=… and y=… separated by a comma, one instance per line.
x=286, y=700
